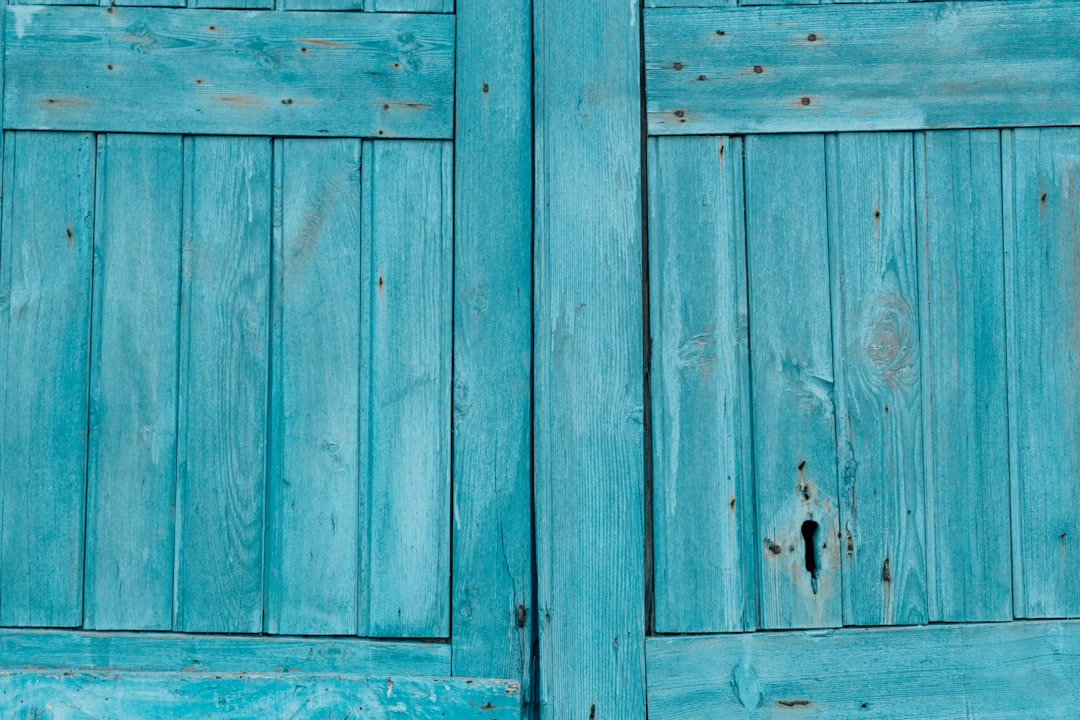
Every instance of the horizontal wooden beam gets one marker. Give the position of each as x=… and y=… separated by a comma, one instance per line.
x=191, y=695
x=155, y=70
x=993, y=670
x=173, y=652
x=902, y=66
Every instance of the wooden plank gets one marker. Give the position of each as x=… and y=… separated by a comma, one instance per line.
x=45, y=277
x=131, y=488
x=224, y=378
x=405, y=396
x=965, y=409
x=895, y=66
x=314, y=529
x=232, y=4
x=1003, y=671
x=703, y=507
x=342, y=5
x=588, y=360
x=115, y=695
x=792, y=375
x=174, y=652
x=243, y=73
x=413, y=6
x=492, y=583
x=1044, y=309
x=879, y=401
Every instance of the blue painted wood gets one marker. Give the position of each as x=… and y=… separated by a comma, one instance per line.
x=703, y=507
x=861, y=67
x=792, y=381
x=492, y=604
x=414, y=6
x=131, y=485
x=224, y=345
x=45, y=276
x=312, y=542
x=405, y=393
x=965, y=413
x=1043, y=297
x=879, y=401
x=174, y=652
x=997, y=671
x=117, y=695
x=210, y=72
x=588, y=360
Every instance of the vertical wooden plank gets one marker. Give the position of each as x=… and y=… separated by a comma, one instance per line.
x=792, y=382
x=588, y=360
x=45, y=278
x=225, y=338
x=493, y=614
x=1044, y=349
x=703, y=506
x=312, y=560
x=879, y=408
x=406, y=311
x=133, y=383
x=965, y=409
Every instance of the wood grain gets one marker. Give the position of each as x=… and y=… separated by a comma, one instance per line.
x=116, y=695
x=589, y=360
x=224, y=383
x=998, y=671
x=1043, y=276
x=965, y=412
x=238, y=73
x=493, y=598
x=405, y=394
x=792, y=372
x=175, y=652
x=703, y=509
x=894, y=66
x=131, y=486
x=313, y=536
x=879, y=401
x=45, y=300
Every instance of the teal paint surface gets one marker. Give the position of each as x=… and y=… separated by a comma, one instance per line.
x=214, y=72
x=874, y=66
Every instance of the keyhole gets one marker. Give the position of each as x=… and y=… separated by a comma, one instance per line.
x=809, y=533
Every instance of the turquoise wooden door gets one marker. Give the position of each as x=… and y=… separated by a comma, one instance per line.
x=806, y=382
x=265, y=372
x=865, y=415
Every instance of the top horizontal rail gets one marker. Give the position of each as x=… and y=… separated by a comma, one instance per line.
x=862, y=67
x=181, y=71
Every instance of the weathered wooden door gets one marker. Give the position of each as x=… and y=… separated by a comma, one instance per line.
x=861, y=378
x=866, y=392
x=254, y=317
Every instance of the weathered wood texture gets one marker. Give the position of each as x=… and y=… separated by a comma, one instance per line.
x=588, y=360
x=313, y=494
x=45, y=279
x=224, y=346
x=861, y=67
x=792, y=364
x=214, y=72
x=965, y=413
x=703, y=509
x=131, y=486
x=118, y=695
x=962, y=672
x=876, y=340
x=1042, y=227
x=405, y=394
x=174, y=652
x=493, y=613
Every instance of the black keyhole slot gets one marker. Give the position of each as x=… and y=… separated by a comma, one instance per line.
x=809, y=533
